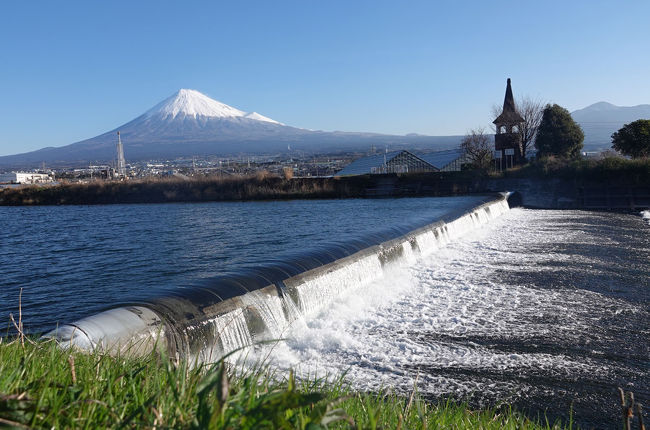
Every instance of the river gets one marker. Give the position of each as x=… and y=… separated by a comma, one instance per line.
x=546, y=310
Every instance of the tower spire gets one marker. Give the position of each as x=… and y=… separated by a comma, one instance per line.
x=121, y=162
x=509, y=116
x=509, y=100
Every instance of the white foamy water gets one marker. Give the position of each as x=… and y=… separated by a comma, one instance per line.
x=646, y=216
x=460, y=321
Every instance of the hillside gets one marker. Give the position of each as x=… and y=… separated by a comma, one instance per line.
x=601, y=119
x=189, y=123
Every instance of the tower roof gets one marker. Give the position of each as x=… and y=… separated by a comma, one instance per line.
x=509, y=114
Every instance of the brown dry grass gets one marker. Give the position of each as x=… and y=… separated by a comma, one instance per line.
x=261, y=186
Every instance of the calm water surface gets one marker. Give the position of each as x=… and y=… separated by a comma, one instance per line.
x=72, y=261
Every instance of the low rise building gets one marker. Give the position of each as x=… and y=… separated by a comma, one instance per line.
x=405, y=162
x=451, y=160
x=390, y=162
x=32, y=178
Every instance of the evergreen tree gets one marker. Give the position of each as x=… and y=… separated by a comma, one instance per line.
x=558, y=134
x=633, y=139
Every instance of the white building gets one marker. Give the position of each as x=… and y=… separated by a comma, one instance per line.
x=32, y=178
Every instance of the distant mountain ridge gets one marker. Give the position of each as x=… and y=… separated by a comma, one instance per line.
x=190, y=123
x=601, y=119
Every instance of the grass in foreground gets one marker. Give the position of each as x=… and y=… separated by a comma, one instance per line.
x=42, y=386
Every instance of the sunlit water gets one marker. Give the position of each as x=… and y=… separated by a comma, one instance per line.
x=542, y=309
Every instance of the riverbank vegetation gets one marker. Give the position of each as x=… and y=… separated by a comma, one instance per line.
x=262, y=186
x=44, y=386
x=609, y=171
x=633, y=139
x=558, y=134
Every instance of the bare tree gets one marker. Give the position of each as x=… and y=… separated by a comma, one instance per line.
x=531, y=111
x=477, y=148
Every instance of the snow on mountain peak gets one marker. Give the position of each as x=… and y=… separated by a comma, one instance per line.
x=258, y=117
x=191, y=103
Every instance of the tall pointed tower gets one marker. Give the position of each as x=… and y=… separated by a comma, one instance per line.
x=507, y=140
x=121, y=162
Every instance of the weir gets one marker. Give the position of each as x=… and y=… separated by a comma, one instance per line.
x=203, y=323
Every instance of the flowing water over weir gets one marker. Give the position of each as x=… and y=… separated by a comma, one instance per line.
x=546, y=311
x=232, y=311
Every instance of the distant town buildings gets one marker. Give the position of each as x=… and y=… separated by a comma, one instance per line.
x=302, y=165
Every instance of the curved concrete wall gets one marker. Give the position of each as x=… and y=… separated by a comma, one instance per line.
x=231, y=311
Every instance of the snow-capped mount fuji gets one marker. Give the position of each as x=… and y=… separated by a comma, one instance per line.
x=191, y=103
x=189, y=123
x=189, y=118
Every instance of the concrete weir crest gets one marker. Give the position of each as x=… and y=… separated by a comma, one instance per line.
x=203, y=324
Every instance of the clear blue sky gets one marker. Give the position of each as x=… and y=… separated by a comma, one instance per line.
x=72, y=70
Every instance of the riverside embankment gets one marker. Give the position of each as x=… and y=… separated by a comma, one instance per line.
x=534, y=192
x=610, y=184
